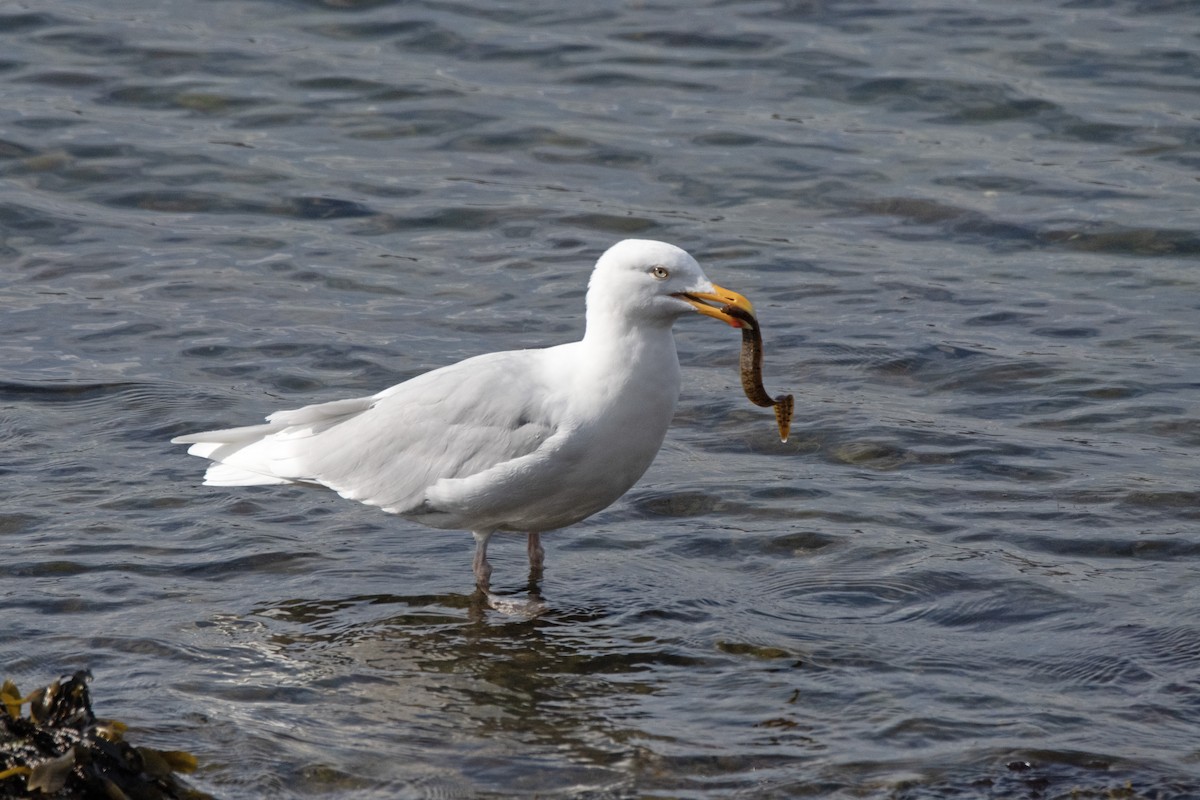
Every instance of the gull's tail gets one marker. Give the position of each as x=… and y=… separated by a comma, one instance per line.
x=263, y=455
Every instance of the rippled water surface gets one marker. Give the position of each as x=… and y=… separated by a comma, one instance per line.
x=970, y=232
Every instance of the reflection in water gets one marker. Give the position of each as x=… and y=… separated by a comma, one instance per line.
x=509, y=700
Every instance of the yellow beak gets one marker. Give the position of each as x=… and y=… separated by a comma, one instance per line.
x=734, y=309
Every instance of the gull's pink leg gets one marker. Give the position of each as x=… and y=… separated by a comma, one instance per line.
x=536, y=557
x=483, y=570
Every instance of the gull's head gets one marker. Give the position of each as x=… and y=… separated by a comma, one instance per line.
x=656, y=283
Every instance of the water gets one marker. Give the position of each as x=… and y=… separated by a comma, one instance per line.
x=969, y=229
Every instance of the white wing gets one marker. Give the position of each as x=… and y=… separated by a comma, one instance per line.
x=388, y=449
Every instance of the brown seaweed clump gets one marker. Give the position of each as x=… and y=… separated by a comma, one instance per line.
x=60, y=749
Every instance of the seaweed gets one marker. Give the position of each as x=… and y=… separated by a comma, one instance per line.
x=60, y=748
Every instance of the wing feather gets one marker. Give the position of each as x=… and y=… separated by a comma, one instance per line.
x=389, y=448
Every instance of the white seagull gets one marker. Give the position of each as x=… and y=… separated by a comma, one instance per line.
x=524, y=440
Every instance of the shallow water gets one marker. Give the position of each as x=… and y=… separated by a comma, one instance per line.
x=969, y=230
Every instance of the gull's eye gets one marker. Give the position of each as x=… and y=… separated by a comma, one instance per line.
x=660, y=272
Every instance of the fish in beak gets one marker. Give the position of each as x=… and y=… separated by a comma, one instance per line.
x=737, y=311
x=728, y=306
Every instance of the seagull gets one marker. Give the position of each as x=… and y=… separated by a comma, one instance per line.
x=524, y=441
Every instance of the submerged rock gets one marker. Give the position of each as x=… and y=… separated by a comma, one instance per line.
x=60, y=749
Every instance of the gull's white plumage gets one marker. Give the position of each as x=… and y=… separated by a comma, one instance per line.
x=524, y=440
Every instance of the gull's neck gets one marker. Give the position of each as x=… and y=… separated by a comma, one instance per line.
x=634, y=351
x=628, y=362
x=608, y=329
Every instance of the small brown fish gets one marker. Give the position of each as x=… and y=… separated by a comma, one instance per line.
x=750, y=364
